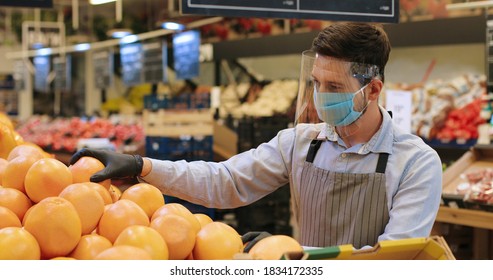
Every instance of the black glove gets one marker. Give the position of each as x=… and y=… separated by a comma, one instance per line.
x=252, y=238
x=117, y=165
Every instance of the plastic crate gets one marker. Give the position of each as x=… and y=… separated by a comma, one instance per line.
x=202, y=148
x=253, y=131
x=174, y=148
x=156, y=102
x=169, y=148
x=182, y=101
x=200, y=100
x=266, y=128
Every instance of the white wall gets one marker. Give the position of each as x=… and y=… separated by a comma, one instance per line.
x=406, y=65
x=410, y=64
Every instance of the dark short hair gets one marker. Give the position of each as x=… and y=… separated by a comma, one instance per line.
x=356, y=42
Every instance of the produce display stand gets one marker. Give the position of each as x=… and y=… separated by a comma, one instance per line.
x=455, y=211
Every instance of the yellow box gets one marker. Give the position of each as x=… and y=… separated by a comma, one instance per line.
x=431, y=248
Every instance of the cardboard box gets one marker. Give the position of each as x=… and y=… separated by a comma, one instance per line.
x=431, y=248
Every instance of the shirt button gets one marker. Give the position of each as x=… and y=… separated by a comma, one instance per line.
x=343, y=155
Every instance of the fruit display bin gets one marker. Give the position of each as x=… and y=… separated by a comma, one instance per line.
x=455, y=209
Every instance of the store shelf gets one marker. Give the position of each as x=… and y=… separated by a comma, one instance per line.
x=466, y=30
x=465, y=217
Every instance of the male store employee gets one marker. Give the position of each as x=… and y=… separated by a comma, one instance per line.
x=354, y=178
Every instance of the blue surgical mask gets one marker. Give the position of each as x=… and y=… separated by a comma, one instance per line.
x=335, y=108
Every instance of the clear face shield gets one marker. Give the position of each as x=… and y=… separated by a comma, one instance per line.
x=332, y=91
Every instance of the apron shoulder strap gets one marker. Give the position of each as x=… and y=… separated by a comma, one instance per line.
x=312, y=151
x=382, y=162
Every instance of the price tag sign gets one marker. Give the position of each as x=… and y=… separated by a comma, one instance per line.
x=131, y=61
x=62, y=65
x=42, y=68
x=400, y=103
x=186, y=54
x=103, y=69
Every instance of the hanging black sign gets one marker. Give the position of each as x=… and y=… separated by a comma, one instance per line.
x=347, y=10
x=103, y=69
x=186, y=53
x=28, y=3
x=131, y=61
x=62, y=66
x=42, y=68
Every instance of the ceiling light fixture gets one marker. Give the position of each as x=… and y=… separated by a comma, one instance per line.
x=99, y=2
x=119, y=32
x=172, y=25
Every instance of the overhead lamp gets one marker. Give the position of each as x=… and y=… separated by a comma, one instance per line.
x=118, y=33
x=99, y=2
x=129, y=39
x=82, y=47
x=170, y=25
x=43, y=51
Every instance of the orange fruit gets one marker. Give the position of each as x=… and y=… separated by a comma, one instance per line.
x=5, y=120
x=18, y=244
x=105, y=194
x=25, y=150
x=63, y=259
x=15, y=200
x=84, y=168
x=55, y=224
x=190, y=257
x=88, y=203
x=120, y=215
x=203, y=219
x=3, y=164
x=146, y=238
x=178, y=234
x=46, y=177
x=8, y=218
x=274, y=247
x=176, y=208
x=124, y=252
x=89, y=246
x=45, y=154
x=15, y=172
x=8, y=140
x=147, y=196
x=217, y=241
x=115, y=193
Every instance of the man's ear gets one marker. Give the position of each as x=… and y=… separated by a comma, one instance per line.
x=374, y=88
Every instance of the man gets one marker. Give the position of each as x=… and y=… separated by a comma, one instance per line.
x=355, y=178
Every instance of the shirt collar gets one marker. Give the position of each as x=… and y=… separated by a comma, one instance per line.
x=381, y=142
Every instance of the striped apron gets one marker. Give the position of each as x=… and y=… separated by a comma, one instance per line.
x=341, y=208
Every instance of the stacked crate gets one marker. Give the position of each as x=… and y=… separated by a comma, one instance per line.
x=272, y=212
x=179, y=128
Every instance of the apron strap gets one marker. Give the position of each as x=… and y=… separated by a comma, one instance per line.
x=315, y=145
x=382, y=162
x=312, y=151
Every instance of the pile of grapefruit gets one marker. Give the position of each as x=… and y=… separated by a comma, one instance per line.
x=51, y=211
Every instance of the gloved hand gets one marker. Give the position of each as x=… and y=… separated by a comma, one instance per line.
x=117, y=165
x=252, y=238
